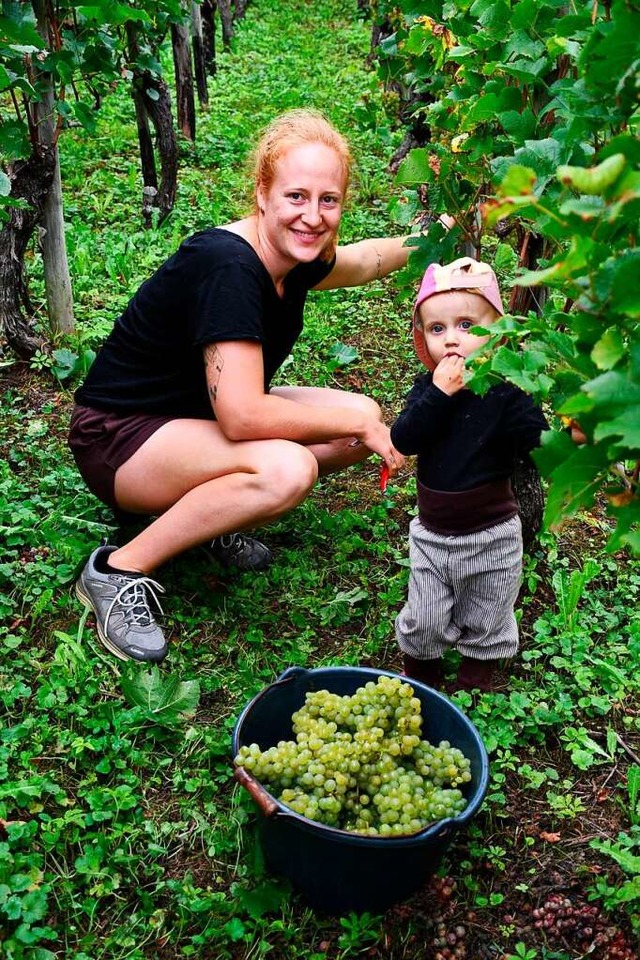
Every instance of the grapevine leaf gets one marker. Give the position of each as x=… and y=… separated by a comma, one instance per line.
x=518, y=180
x=542, y=156
x=617, y=281
x=626, y=426
x=573, y=261
x=519, y=125
x=166, y=701
x=613, y=389
x=85, y=115
x=574, y=480
x=587, y=208
x=627, y=531
x=415, y=168
x=492, y=14
x=14, y=140
x=608, y=350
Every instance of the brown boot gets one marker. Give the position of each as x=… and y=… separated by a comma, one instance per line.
x=426, y=671
x=476, y=674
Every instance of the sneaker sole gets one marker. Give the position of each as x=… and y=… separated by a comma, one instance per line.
x=104, y=639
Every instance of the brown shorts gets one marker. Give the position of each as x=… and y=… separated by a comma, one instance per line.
x=101, y=442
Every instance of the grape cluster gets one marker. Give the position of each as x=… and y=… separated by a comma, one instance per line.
x=358, y=763
x=583, y=924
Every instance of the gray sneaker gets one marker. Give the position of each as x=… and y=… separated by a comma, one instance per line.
x=122, y=607
x=236, y=550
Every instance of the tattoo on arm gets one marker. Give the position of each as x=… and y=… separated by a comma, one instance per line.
x=213, y=363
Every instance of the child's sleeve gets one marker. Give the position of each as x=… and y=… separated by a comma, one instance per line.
x=523, y=422
x=423, y=419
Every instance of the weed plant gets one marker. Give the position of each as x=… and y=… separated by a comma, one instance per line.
x=121, y=833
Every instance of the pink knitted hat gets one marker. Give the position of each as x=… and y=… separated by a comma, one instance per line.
x=462, y=274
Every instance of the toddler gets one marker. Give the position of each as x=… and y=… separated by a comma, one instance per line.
x=466, y=542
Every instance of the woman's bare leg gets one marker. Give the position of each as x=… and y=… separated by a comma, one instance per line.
x=203, y=485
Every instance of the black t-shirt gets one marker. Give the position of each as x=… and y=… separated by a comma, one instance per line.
x=214, y=288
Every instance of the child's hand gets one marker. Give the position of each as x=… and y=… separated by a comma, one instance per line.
x=448, y=376
x=577, y=433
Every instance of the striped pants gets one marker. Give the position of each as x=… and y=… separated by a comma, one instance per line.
x=462, y=592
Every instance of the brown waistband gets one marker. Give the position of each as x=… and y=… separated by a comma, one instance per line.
x=466, y=511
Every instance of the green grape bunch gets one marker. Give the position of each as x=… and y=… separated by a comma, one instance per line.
x=359, y=763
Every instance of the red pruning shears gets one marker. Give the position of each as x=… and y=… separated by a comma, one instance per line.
x=384, y=477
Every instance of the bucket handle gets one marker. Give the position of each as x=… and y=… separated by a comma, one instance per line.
x=256, y=791
x=291, y=673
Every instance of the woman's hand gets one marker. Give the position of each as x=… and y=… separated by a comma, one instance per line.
x=448, y=376
x=377, y=438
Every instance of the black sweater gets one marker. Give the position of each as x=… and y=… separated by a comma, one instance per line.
x=465, y=441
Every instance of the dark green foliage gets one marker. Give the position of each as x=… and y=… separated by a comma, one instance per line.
x=121, y=833
x=538, y=101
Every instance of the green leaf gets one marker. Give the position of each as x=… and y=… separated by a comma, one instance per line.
x=613, y=389
x=266, y=898
x=582, y=758
x=85, y=115
x=542, y=156
x=65, y=362
x=483, y=109
x=587, y=208
x=492, y=14
x=627, y=530
x=234, y=929
x=519, y=126
x=524, y=69
x=415, y=168
x=568, y=264
x=624, y=858
x=34, y=906
x=626, y=426
x=165, y=700
x=14, y=140
x=522, y=369
x=617, y=282
x=575, y=475
x=608, y=350
x=518, y=180
x=341, y=355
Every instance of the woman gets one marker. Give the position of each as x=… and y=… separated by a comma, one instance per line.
x=176, y=418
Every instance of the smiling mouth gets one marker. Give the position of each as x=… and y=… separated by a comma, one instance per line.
x=305, y=235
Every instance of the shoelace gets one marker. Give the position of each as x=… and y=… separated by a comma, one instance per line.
x=234, y=542
x=132, y=597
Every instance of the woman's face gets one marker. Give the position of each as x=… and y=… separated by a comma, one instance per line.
x=299, y=214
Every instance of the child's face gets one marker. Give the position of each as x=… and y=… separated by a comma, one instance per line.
x=446, y=319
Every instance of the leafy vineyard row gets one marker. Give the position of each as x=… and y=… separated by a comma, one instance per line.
x=522, y=122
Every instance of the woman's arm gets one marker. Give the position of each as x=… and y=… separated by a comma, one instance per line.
x=358, y=263
x=235, y=381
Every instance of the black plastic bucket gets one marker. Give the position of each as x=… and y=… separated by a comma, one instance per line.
x=335, y=870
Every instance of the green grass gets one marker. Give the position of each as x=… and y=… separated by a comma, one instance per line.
x=121, y=832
